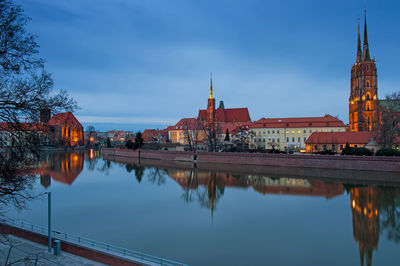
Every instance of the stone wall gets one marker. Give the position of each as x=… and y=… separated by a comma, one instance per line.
x=343, y=162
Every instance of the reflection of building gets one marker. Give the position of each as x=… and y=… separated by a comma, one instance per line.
x=365, y=209
x=62, y=167
x=216, y=183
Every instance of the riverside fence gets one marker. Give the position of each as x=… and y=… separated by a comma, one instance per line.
x=112, y=250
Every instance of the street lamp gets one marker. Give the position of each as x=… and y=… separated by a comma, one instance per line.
x=49, y=217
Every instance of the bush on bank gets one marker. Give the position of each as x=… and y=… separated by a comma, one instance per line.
x=387, y=152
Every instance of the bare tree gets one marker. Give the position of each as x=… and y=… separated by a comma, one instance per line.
x=25, y=88
x=389, y=119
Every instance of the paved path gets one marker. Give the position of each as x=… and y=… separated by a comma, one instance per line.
x=25, y=252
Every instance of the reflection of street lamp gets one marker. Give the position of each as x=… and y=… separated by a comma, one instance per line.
x=49, y=217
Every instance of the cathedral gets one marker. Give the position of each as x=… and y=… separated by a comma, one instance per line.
x=363, y=101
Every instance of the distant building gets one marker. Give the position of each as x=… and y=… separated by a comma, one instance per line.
x=216, y=121
x=336, y=141
x=60, y=130
x=363, y=101
x=66, y=130
x=291, y=133
x=187, y=131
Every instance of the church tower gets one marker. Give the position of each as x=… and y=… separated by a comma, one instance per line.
x=211, y=109
x=363, y=101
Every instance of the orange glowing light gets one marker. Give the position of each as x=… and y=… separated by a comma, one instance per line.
x=353, y=203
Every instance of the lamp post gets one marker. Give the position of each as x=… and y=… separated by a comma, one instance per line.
x=49, y=217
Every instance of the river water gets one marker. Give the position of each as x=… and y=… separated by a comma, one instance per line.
x=221, y=215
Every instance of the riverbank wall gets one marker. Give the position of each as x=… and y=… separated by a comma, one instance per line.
x=77, y=250
x=341, y=162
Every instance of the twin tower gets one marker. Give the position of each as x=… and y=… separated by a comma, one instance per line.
x=363, y=101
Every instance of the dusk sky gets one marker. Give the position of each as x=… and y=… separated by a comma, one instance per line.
x=148, y=63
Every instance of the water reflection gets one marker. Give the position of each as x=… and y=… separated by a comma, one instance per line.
x=374, y=210
x=65, y=167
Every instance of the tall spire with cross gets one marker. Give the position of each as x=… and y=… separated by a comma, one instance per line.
x=359, y=51
x=366, y=56
x=211, y=89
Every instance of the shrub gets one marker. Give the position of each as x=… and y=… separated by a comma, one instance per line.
x=387, y=152
x=326, y=152
x=129, y=144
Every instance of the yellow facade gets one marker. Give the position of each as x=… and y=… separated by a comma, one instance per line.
x=286, y=138
x=183, y=136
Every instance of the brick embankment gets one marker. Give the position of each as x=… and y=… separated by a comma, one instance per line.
x=366, y=163
x=68, y=247
x=328, y=175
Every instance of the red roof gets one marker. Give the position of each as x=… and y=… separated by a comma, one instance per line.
x=188, y=124
x=61, y=119
x=150, y=135
x=362, y=137
x=296, y=122
x=231, y=115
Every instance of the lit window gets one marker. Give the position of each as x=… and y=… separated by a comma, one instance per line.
x=287, y=132
x=298, y=132
x=292, y=131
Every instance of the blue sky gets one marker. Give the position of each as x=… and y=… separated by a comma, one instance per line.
x=148, y=62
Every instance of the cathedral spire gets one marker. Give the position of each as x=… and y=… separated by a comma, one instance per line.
x=359, y=51
x=211, y=89
x=366, y=55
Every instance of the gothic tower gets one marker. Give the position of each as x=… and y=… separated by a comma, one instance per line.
x=363, y=101
x=211, y=109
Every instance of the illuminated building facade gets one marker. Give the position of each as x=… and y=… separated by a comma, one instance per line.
x=291, y=133
x=363, y=101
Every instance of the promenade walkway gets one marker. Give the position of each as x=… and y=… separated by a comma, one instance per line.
x=25, y=252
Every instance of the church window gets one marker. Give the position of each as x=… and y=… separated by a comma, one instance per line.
x=368, y=97
x=367, y=67
x=367, y=83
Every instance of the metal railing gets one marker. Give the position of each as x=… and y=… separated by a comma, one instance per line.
x=90, y=243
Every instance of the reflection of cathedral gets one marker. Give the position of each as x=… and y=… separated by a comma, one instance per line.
x=216, y=183
x=62, y=167
x=365, y=210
